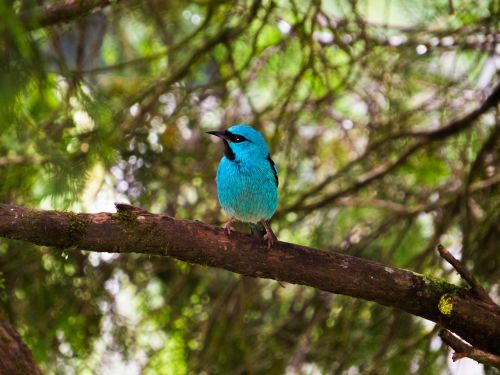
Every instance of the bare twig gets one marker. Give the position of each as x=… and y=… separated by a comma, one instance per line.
x=65, y=11
x=463, y=350
x=457, y=125
x=451, y=7
x=422, y=139
x=19, y=159
x=477, y=289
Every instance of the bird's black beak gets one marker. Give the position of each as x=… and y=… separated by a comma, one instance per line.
x=224, y=135
x=220, y=134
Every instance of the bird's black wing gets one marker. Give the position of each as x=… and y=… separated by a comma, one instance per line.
x=273, y=167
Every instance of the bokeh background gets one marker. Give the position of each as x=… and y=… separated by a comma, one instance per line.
x=111, y=104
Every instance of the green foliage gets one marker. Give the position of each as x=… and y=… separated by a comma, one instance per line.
x=113, y=107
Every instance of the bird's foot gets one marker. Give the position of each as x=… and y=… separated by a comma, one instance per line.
x=269, y=237
x=228, y=228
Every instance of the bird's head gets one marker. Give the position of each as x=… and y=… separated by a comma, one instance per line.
x=242, y=141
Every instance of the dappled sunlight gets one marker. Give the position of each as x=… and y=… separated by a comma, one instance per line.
x=381, y=117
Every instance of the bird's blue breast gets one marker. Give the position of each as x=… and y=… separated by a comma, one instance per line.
x=247, y=188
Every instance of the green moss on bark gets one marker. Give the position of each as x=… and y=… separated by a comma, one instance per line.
x=126, y=220
x=77, y=227
x=441, y=285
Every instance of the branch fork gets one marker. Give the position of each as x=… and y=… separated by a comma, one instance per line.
x=461, y=348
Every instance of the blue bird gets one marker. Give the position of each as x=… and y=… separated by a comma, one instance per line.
x=247, y=179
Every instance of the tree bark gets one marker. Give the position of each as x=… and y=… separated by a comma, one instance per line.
x=15, y=357
x=133, y=230
x=66, y=11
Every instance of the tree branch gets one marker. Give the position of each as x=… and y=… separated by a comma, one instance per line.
x=19, y=159
x=65, y=11
x=463, y=350
x=466, y=275
x=422, y=139
x=457, y=125
x=135, y=230
x=15, y=357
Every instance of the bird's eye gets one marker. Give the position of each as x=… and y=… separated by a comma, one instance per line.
x=235, y=138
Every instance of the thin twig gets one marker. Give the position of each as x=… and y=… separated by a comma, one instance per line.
x=477, y=289
x=462, y=350
x=61, y=12
x=19, y=159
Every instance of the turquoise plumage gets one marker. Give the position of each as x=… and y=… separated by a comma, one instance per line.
x=247, y=179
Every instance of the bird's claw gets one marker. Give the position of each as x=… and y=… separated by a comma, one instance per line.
x=228, y=228
x=269, y=238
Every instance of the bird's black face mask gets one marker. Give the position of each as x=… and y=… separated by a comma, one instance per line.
x=227, y=137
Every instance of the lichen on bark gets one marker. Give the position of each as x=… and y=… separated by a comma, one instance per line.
x=445, y=305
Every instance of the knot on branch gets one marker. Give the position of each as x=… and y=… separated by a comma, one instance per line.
x=128, y=208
